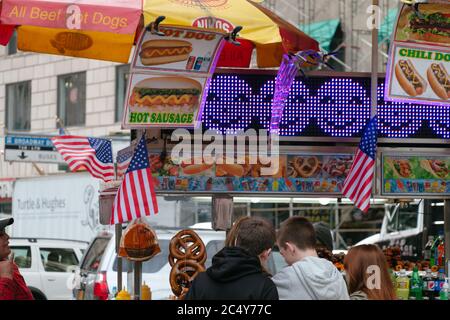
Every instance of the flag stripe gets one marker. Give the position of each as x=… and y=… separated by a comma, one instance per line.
x=152, y=188
x=149, y=188
x=92, y=164
x=135, y=205
x=88, y=158
x=358, y=184
x=354, y=171
x=92, y=154
x=364, y=189
x=140, y=193
x=136, y=195
x=75, y=165
x=115, y=214
x=361, y=177
x=123, y=210
x=128, y=208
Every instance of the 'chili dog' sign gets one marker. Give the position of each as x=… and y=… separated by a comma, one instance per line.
x=419, y=63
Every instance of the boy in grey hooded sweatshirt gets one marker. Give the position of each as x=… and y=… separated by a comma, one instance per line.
x=307, y=277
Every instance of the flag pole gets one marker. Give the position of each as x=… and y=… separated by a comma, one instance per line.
x=374, y=73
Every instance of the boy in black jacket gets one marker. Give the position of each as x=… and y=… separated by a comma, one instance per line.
x=237, y=271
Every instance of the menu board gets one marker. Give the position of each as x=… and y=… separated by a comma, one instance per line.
x=170, y=77
x=297, y=173
x=163, y=101
x=185, y=49
x=419, y=61
x=415, y=175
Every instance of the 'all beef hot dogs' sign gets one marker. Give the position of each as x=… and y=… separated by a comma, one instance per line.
x=419, y=63
x=170, y=76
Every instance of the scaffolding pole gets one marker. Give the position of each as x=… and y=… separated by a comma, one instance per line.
x=374, y=73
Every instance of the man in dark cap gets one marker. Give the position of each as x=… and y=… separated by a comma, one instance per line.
x=12, y=284
x=324, y=235
x=324, y=244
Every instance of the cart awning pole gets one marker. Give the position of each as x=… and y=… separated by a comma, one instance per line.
x=374, y=75
x=447, y=235
x=119, y=259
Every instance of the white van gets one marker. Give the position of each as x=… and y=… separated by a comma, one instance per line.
x=48, y=265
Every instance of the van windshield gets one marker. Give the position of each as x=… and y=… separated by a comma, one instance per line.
x=94, y=255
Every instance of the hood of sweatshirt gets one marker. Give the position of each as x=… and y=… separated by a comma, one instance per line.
x=232, y=263
x=311, y=278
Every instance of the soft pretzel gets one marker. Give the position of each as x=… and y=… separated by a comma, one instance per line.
x=186, y=244
x=306, y=167
x=182, y=274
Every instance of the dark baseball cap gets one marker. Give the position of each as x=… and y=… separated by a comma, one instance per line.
x=5, y=222
x=323, y=234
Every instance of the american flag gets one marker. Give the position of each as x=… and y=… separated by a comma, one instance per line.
x=91, y=153
x=136, y=195
x=358, y=184
x=123, y=160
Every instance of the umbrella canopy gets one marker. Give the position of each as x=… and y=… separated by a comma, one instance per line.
x=6, y=31
x=94, y=29
x=262, y=29
x=106, y=30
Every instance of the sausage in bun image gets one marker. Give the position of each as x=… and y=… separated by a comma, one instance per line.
x=170, y=94
x=439, y=80
x=164, y=51
x=409, y=78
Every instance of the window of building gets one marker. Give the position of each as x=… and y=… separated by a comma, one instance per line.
x=72, y=99
x=18, y=106
x=122, y=74
x=12, y=45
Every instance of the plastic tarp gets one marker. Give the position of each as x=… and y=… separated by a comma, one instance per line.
x=322, y=31
x=387, y=26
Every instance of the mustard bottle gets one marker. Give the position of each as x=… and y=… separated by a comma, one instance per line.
x=123, y=295
x=146, y=293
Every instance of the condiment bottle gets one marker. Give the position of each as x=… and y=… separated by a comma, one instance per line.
x=146, y=293
x=123, y=295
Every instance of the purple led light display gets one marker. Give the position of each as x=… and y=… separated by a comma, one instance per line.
x=439, y=119
x=341, y=106
x=296, y=113
x=397, y=119
x=318, y=106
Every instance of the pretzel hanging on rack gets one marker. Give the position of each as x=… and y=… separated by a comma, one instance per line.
x=187, y=256
x=186, y=244
x=182, y=274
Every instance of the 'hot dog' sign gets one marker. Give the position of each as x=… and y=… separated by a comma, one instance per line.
x=419, y=63
x=186, y=50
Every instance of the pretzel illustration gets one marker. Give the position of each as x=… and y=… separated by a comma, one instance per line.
x=182, y=274
x=306, y=167
x=186, y=244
